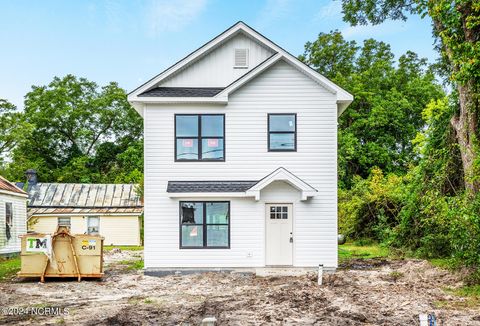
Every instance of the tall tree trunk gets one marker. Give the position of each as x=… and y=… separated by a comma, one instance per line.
x=466, y=129
x=466, y=122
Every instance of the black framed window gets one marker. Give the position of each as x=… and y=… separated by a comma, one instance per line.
x=205, y=224
x=199, y=137
x=282, y=132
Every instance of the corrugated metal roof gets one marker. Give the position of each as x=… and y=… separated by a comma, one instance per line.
x=72, y=211
x=77, y=195
x=209, y=186
x=8, y=186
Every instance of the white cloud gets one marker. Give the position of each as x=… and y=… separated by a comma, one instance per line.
x=329, y=11
x=172, y=15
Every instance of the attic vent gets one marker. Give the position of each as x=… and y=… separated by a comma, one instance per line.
x=241, y=58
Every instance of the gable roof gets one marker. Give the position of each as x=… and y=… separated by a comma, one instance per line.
x=10, y=188
x=343, y=97
x=282, y=174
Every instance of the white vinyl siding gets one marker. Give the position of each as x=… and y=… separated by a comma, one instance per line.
x=281, y=89
x=19, y=227
x=217, y=69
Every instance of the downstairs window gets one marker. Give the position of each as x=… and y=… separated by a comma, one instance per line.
x=204, y=225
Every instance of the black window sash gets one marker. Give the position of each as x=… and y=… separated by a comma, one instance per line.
x=199, y=137
x=294, y=149
x=204, y=225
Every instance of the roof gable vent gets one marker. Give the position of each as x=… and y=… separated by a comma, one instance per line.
x=241, y=58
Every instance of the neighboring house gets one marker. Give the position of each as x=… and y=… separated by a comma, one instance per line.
x=111, y=210
x=13, y=216
x=240, y=158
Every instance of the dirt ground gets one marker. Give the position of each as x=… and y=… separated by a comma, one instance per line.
x=365, y=292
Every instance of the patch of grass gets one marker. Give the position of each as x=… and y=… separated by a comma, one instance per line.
x=131, y=248
x=395, y=275
x=470, y=294
x=9, y=267
x=355, y=251
x=445, y=263
x=132, y=264
x=148, y=301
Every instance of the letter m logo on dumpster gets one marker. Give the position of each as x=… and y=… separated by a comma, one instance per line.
x=38, y=244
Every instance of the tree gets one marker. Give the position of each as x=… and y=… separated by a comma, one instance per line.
x=79, y=130
x=378, y=127
x=456, y=26
x=13, y=127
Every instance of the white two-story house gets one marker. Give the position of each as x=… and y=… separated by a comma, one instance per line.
x=240, y=158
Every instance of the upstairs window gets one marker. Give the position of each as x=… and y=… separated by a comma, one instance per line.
x=282, y=132
x=199, y=137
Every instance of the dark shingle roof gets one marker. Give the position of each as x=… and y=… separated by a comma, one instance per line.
x=209, y=186
x=182, y=92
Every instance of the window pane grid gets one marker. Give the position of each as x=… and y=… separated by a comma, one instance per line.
x=208, y=140
x=205, y=235
x=282, y=132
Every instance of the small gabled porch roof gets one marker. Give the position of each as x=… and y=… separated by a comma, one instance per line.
x=238, y=188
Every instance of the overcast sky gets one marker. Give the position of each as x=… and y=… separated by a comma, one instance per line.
x=131, y=41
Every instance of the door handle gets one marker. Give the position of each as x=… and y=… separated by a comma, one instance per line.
x=291, y=237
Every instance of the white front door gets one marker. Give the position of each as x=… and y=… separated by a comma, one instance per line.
x=279, y=234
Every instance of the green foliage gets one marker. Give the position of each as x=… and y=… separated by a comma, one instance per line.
x=13, y=127
x=370, y=208
x=358, y=251
x=378, y=127
x=9, y=267
x=80, y=133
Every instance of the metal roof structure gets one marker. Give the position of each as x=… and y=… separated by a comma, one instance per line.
x=78, y=198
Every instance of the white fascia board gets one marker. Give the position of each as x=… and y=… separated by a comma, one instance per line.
x=163, y=100
x=191, y=57
x=207, y=194
x=11, y=193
